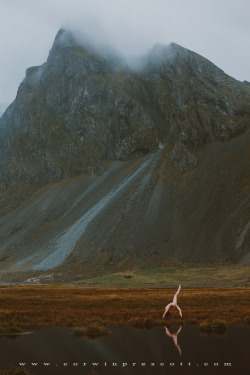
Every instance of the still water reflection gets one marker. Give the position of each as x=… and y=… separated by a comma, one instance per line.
x=130, y=351
x=174, y=337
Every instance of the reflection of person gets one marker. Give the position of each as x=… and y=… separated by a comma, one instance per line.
x=174, y=304
x=174, y=337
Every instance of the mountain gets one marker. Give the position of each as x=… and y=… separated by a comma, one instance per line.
x=3, y=107
x=107, y=166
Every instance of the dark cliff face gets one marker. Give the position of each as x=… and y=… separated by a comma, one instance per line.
x=82, y=108
x=69, y=114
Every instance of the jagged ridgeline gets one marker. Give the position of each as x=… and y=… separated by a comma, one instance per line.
x=107, y=165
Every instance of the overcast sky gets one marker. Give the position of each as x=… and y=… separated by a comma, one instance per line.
x=217, y=29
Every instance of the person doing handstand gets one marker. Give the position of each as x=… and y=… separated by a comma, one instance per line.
x=173, y=304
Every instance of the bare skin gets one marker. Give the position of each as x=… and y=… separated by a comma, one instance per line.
x=173, y=304
x=174, y=337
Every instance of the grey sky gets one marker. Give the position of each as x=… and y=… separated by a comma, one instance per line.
x=217, y=29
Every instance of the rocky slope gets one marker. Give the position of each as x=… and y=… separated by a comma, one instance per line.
x=138, y=167
x=3, y=107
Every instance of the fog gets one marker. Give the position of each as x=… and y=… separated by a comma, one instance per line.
x=217, y=29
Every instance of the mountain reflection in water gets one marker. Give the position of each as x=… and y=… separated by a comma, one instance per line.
x=129, y=351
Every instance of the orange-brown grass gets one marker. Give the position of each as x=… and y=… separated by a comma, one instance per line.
x=74, y=306
x=15, y=371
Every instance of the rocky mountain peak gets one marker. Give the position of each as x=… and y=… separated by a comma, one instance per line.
x=107, y=165
x=82, y=41
x=84, y=105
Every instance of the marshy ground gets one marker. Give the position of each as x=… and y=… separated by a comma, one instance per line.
x=34, y=306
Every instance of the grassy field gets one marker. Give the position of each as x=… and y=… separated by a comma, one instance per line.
x=222, y=276
x=30, y=306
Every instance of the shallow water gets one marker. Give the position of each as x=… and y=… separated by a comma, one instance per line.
x=134, y=351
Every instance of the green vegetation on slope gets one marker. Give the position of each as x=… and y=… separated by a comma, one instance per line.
x=236, y=275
